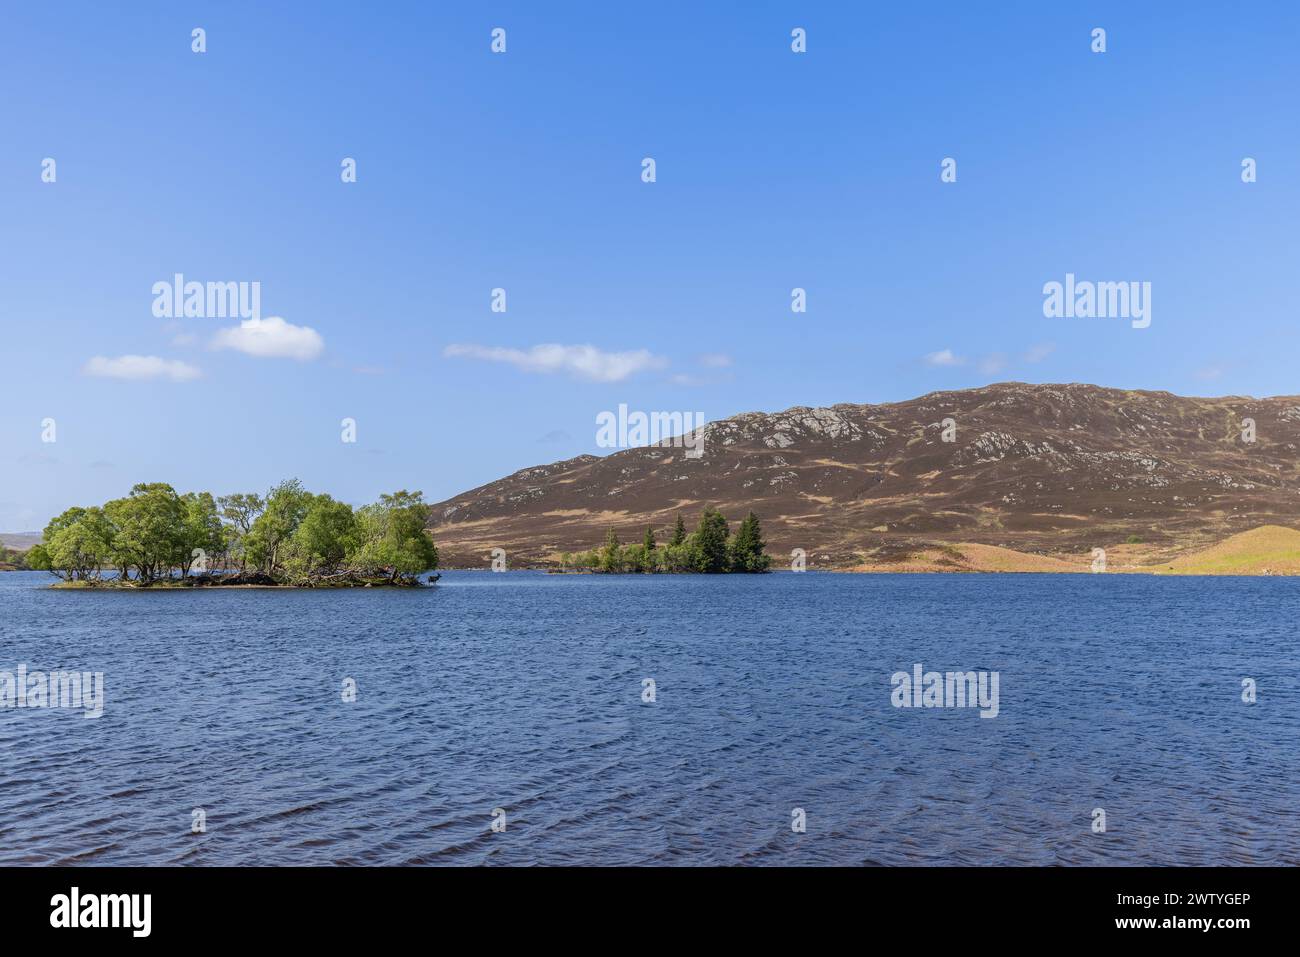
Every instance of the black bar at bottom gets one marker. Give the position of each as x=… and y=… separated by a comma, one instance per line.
x=304, y=905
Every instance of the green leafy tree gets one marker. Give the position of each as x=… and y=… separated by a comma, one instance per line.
x=324, y=539
x=285, y=507
x=38, y=559
x=747, y=548
x=633, y=558
x=710, y=543
x=77, y=543
x=61, y=562
x=148, y=531
x=676, y=558
x=393, y=539
x=205, y=536
x=239, y=511
x=292, y=536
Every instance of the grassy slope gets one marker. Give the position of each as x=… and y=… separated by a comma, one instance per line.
x=1267, y=549
x=969, y=557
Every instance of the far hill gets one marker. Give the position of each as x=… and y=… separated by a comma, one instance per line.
x=1047, y=470
x=19, y=541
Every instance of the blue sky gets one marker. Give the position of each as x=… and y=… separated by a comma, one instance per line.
x=522, y=171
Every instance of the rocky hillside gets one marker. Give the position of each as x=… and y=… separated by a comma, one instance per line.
x=1047, y=469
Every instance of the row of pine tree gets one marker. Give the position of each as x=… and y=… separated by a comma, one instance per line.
x=710, y=549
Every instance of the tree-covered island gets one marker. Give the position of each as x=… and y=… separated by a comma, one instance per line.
x=710, y=549
x=13, y=560
x=155, y=537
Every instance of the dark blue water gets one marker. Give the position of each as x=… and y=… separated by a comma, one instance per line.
x=523, y=691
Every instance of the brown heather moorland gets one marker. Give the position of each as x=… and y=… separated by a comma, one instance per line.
x=1038, y=476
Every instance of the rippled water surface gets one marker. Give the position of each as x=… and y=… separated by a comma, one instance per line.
x=523, y=691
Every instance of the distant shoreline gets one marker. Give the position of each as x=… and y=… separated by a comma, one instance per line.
x=1154, y=572
x=1269, y=551
x=181, y=584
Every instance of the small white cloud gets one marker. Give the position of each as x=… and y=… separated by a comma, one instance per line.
x=1210, y=372
x=1040, y=352
x=586, y=362
x=141, y=367
x=993, y=364
x=271, y=338
x=716, y=360
x=37, y=458
x=944, y=357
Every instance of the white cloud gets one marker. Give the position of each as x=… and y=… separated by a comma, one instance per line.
x=1040, y=352
x=141, y=367
x=993, y=364
x=944, y=357
x=271, y=338
x=586, y=362
x=716, y=360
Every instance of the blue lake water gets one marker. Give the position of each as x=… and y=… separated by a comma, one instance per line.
x=523, y=691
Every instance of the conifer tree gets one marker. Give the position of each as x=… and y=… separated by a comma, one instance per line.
x=679, y=532
x=710, y=541
x=609, y=555
x=747, y=553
